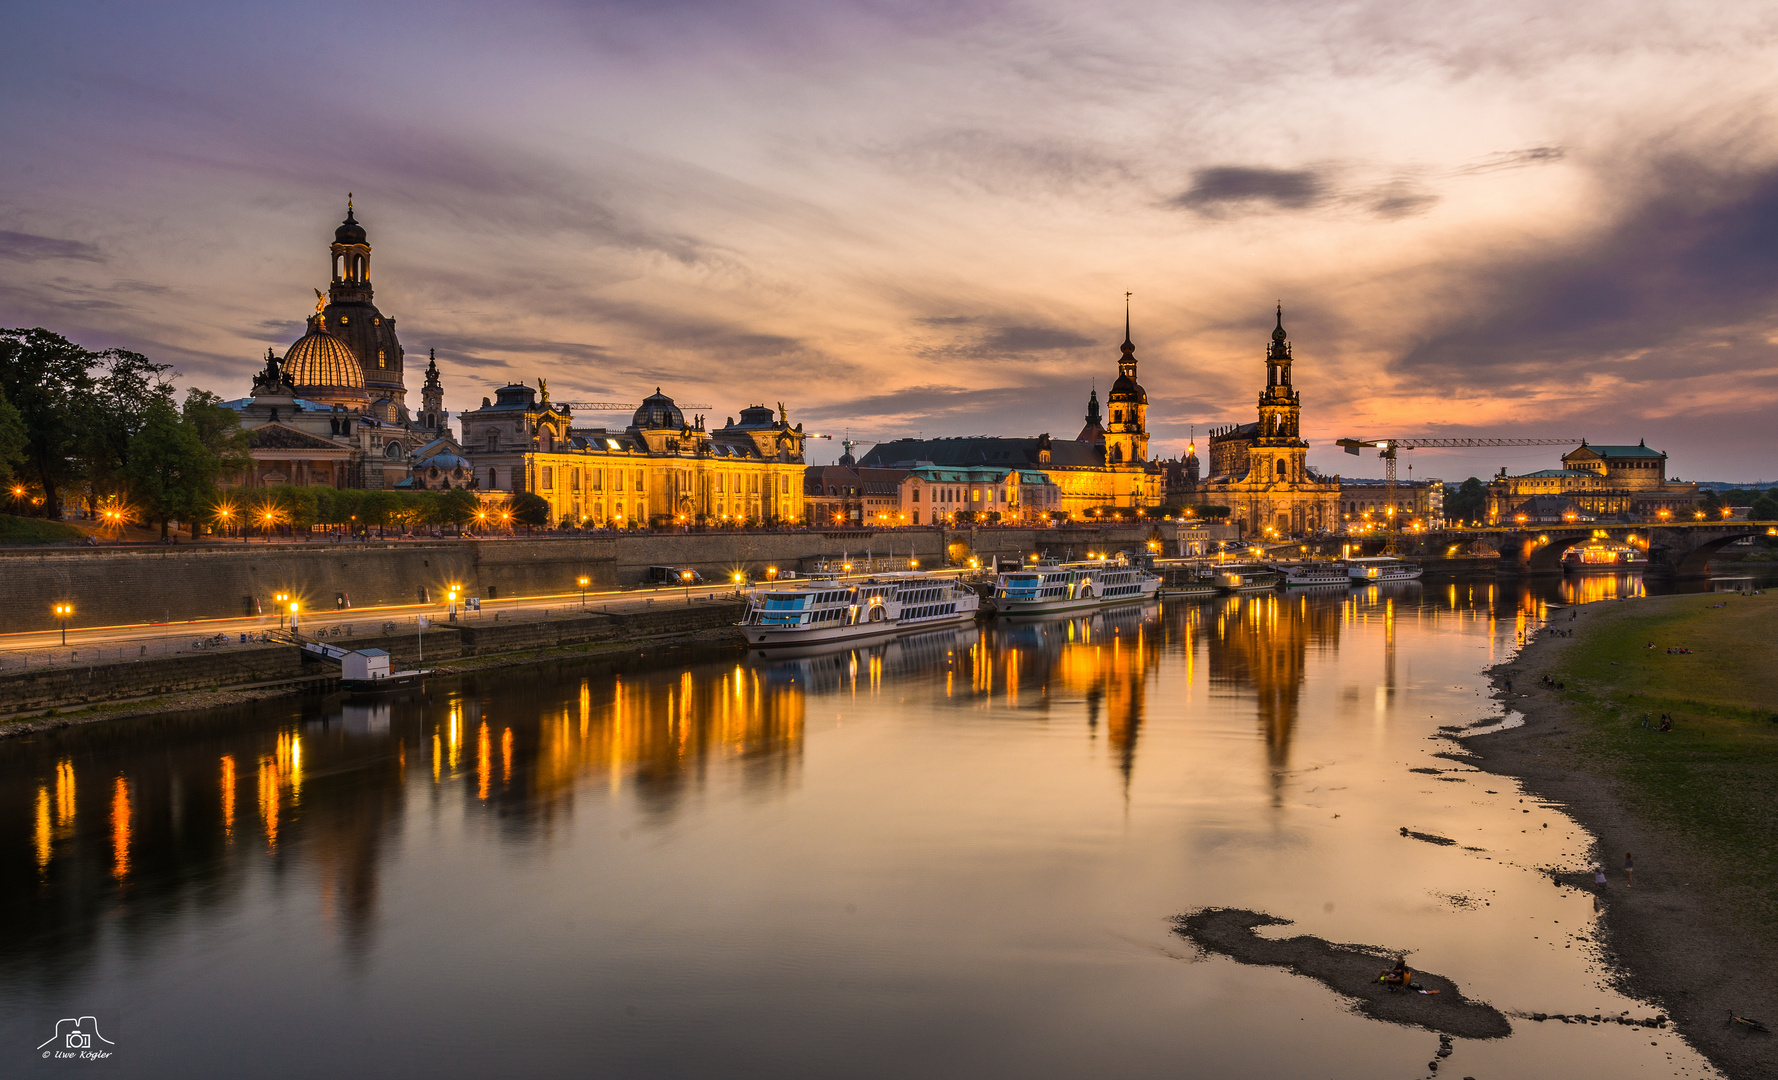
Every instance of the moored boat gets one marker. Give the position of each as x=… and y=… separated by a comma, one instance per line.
x=1184, y=581
x=1381, y=569
x=1311, y=575
x=827, y=609
x=1047, y=588
x=1246, y=578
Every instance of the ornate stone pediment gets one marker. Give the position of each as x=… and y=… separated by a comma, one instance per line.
x=282, y=437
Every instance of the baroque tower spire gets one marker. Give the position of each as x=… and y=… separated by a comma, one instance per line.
x=1126, y=436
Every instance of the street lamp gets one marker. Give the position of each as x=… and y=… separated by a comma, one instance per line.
x=62, y=613
x=293, y=607
x=685, y=576
x=583, y=581
x=451, y=600
x=280, y=600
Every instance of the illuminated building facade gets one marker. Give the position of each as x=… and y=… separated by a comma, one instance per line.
x=332, y=411
x=1260, y=471
x=663, y=469
x=1107, y=465
x=1607, y=482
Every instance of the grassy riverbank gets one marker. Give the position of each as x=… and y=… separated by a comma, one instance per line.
x=1714, y=778
x=24, y=530
x=1697, y=932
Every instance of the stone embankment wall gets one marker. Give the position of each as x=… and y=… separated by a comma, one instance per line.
x=121, y=586
x=62, y=687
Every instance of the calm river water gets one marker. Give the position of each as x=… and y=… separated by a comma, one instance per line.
x=949, y=856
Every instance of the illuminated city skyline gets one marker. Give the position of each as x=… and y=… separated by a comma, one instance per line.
x=1480, y=219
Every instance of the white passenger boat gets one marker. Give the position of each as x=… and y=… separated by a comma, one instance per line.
x=1383, y=568
x=1310, y=575
x=1047, y=587
x=827, y=609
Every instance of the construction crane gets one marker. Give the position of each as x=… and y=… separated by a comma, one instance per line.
x=613, y=406
x=1386, y=449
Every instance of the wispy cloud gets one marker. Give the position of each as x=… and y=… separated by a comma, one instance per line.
x=27, y=247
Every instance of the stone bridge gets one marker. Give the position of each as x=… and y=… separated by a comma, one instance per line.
x=1676, y=550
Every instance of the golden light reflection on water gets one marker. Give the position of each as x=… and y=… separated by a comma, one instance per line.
x=43, y=837
x=65, y=793
x=228, y=796
x=120, y=829
x=269, y=798
x=481, y=762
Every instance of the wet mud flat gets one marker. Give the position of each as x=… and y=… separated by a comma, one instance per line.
x=1348, y=970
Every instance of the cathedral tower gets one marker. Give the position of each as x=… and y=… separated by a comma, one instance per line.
x=350, y=316
x=1279, y=452
x=1126, y=437
x=432, y=411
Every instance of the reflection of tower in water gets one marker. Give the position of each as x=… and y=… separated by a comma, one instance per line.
x=1105, y=659
x=1261, y=643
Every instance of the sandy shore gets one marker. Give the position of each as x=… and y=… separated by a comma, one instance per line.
x=1670, y=939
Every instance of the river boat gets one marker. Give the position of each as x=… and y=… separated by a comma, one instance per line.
x=1247, y=578
x=1382, y=569
x=827, y=609
x=1316, y=575
x=1049, y=588
x=1184, y=581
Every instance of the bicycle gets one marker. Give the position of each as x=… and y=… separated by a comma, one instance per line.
x=1750, y=1024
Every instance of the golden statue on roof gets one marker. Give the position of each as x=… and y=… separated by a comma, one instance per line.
x=783, y=414
x=320, y=302
x=543, y=390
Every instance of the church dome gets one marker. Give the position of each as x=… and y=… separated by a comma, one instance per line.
x=320, y=359
x=658, y=413
x=349, y=232
x=1127, y=391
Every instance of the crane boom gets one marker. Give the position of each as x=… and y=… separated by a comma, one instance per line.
x=1387, y=448
x=613, y=406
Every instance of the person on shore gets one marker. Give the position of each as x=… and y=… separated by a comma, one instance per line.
x=1666, y=722
x=1599, y=875
x=1629, y=870
x=1397, y=977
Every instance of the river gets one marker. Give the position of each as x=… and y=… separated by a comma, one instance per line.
x=954, y=855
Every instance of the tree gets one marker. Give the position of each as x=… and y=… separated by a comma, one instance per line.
x=457, y=506
x=127, y=386
x=1765, y=508
x=218, y=427
x=12, y=440
x=1468, y=501
x=170, y=474
x=530, y=508
x=45, y=377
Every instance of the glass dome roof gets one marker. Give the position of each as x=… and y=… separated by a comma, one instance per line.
x=320, y=359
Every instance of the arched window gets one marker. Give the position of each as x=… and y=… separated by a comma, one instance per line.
x=1283, y=472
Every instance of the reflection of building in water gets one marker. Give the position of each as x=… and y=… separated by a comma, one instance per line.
x=1261, y=643
x=1104, y=659
x=658, y=732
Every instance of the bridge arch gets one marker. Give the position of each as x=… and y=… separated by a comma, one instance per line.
x=1695, y=561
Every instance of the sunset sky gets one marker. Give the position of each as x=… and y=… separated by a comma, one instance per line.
x=1501, y=218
